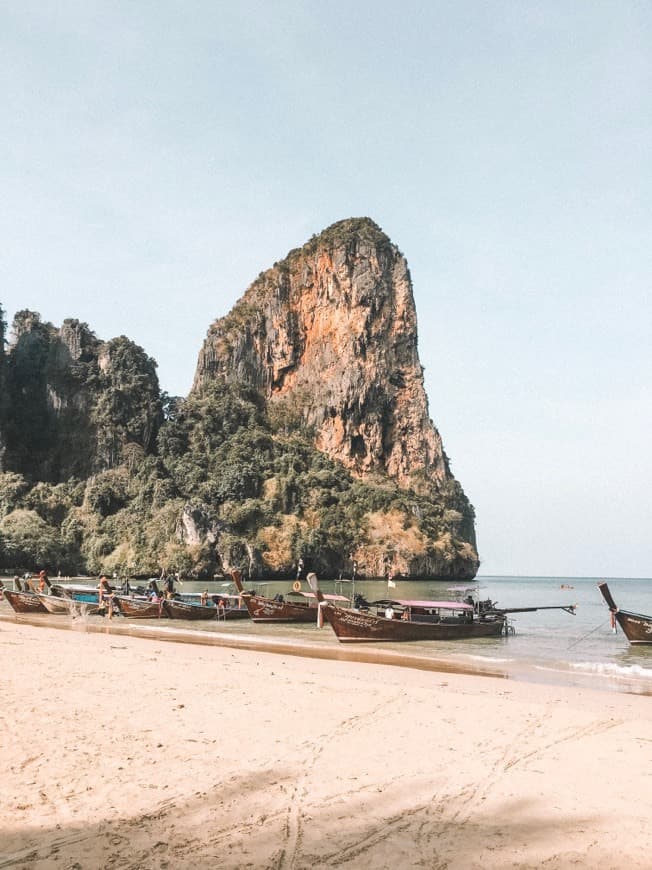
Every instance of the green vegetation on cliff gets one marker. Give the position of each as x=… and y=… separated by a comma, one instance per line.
x=74, y=402
x=221, y=485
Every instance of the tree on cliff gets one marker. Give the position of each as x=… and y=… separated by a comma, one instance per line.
x=3, y=390
x=29, y=430
x=128, y=407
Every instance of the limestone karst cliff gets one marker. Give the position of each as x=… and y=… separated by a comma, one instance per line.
x=329, y=336
x=3, y=390
x=75, y=401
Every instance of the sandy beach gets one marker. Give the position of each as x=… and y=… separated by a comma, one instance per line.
x=123, y=752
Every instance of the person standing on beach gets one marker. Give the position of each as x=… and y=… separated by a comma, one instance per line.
x=105, y=594
x=104, y=589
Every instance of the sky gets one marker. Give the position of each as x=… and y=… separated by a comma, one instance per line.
x=156, y=156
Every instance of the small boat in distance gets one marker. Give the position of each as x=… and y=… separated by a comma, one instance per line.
x=279, y=609
x=636, y=627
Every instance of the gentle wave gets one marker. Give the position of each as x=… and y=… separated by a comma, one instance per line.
x=612, y=670
x=492, y=659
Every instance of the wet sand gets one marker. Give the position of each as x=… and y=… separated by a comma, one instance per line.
x=175, y=632
x=128, y=752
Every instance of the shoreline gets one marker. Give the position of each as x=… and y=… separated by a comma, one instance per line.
x=539, y=673
x=125, y=753
x=361, y=654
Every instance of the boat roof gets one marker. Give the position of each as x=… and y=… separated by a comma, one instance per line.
x=442, y=605
x=328, y=597
x=76, y=587
x=210, y=594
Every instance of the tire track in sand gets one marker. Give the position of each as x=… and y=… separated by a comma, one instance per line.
x=293, y=835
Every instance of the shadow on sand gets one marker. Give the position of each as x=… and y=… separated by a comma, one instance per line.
x=266, y=820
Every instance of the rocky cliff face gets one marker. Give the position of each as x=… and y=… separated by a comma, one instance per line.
x=3, y=390
x=330, y=334
x=75, y=402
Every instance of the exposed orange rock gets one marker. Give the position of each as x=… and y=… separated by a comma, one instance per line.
x=332, y=331
x=330, y=336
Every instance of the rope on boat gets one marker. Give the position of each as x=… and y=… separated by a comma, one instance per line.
x=580, y=639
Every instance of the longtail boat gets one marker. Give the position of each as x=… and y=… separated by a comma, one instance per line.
x=193, y=605
x=85, y=600
x=234, y=608
x=85, y=594
x=176, y=609
x=24, y=602
x=139, y=608
x=409, y=620
x=55, y=604
x=636, y=627
x=262, y=609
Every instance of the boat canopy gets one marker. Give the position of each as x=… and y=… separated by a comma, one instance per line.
x=327, y=597
x=441, y=605
x=74, y=587
x=211, y=595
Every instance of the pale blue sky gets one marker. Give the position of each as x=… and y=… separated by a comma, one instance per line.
x=156, y=156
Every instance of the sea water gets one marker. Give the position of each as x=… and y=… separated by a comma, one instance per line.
x=557, y=647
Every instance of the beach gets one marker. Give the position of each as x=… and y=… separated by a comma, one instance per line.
x=130, y=752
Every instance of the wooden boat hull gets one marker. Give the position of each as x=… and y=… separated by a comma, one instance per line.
x=54, y=604
x=181, y=610
x=263, y=609
x=85, y=595
x=351, y=626
x=637, y=627
x=134, y=608
x=234, y=613
x=25, y=602
x=85, y=608
x=268, y=610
